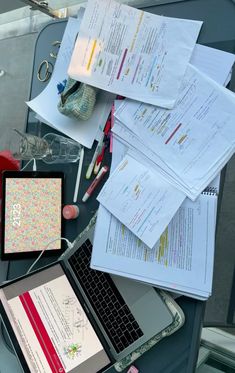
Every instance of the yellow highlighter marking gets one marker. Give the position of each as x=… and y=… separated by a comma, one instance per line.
x=145, y=255
x=91, y=56
x=137, y=30
x=163, y=246
x=182, y=139
x=123, y=230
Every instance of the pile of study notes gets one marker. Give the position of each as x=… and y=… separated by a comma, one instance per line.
x=172, y=135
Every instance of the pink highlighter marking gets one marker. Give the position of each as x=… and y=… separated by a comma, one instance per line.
x=122, y=63
x=173, y=133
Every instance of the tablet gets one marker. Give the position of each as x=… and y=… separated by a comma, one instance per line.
x=31, y=213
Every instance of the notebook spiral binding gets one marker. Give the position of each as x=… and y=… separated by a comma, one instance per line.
x=210, y=191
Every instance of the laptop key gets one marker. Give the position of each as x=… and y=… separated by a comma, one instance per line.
x=122, y=327
x=115, y=324
x=106, y=298
x=134, y=335
x=120, y=347
x=125, y=319
x=121, y=313
x=111, y=318
x=139, y=332
x=109, y=292
x=103, y=292
x=131, y=318
x=109, y=325
x=101, y=311
x=116, y=339
x=106, y=285
x=105, y=318
x=123, y=340
x=108, y=312
x=119, y=332
x=135, y=325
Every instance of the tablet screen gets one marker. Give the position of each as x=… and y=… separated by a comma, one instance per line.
x=32, y=214
x=51, y=325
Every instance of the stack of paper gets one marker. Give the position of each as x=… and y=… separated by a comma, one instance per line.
x=191, y=142
x=150, y=230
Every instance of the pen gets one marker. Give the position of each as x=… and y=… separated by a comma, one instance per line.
x=97, y=151
x=105, y=145
x=94, y=183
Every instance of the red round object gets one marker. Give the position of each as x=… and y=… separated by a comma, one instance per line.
x=70, y=212
x=7, y=163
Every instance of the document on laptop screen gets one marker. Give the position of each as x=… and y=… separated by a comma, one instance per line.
x=53, y=326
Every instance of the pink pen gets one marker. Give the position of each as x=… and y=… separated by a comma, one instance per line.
x=94, y=183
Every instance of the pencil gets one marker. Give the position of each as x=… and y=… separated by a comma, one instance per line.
x=75, y=196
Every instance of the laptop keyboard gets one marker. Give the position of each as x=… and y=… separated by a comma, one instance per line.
x=112, y=311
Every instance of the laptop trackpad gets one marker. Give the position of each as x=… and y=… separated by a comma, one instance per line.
x=130, y=289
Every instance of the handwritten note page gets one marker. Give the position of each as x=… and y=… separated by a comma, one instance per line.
x=196, y=138
x=133, y=53
x=141, y=199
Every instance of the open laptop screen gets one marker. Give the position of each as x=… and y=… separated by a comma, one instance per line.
x=51, y=325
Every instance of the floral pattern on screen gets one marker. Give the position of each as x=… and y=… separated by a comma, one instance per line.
x=33, y=214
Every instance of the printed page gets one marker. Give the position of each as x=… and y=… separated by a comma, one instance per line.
x=181, y=260
x=213, y=62
x=133, y=53
x=196, y=138
x=54, y=327
x=141, y=199
x=45, y=104
x=146, y=155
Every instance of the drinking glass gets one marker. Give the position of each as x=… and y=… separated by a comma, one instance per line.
x=61, y=149
x=25, y=146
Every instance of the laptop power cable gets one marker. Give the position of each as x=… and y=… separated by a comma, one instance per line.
x=69, y=244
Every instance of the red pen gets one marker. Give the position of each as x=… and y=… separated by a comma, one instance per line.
x=101, y=154
x=94, y=183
